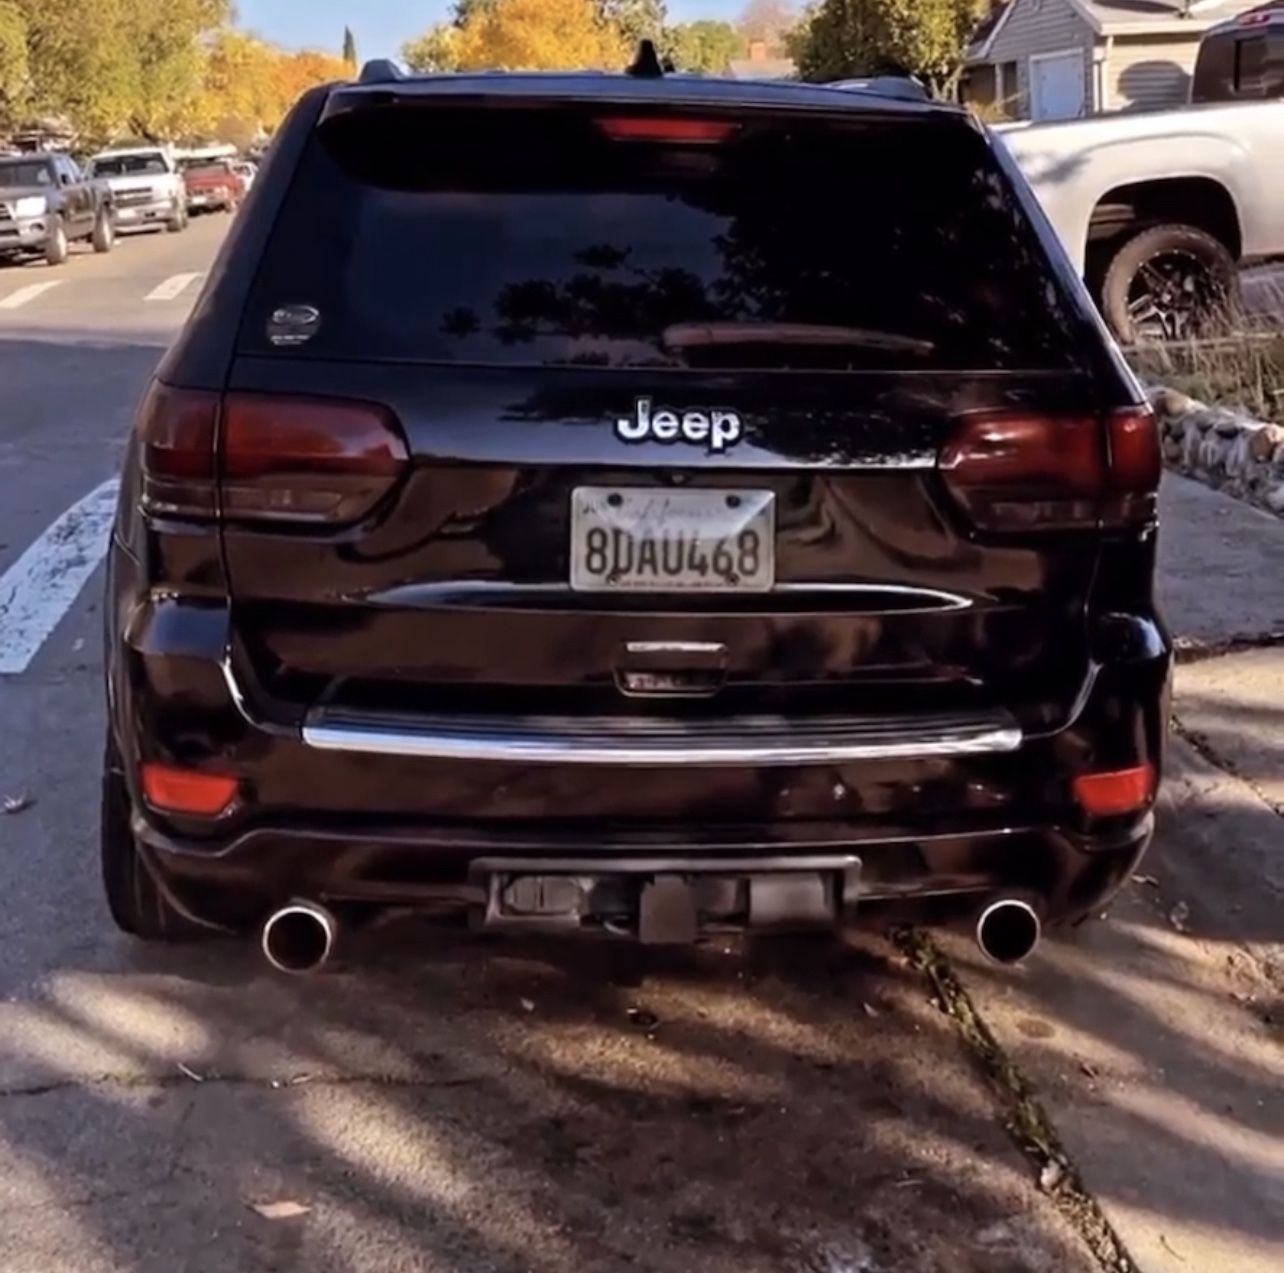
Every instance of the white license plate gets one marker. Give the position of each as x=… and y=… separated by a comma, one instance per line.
x=629, y=539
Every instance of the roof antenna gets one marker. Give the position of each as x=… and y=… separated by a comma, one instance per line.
x=647, y=64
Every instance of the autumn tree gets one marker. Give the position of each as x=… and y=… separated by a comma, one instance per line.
x=926, y=38
x=705, y=47
x=434, y=51
x=516, y=35
x=14, y=69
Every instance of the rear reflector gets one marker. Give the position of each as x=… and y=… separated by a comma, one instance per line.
x=691, y=132
x=307, y=460
x=1020, y=470
x=1121, y=791
x=187, y=790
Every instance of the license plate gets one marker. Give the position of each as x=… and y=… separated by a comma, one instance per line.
x=628, y=539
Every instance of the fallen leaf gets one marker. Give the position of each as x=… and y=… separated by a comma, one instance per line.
x=285, y=1209
x=528, y=1005
x=1089, y=1070
x=1051, y=1176
x=16, y=804
x=1148, y=880
x=191, y=1073
x=1178, y=916
x=870, y=1010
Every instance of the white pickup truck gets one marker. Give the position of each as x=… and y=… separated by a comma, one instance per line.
x=147, y=187
x=1160, y=210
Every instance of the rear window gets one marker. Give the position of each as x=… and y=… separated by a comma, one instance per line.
x=540, y=237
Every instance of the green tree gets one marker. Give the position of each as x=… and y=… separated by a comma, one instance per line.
x=168, y=57
x=634, y=19
x=927, y=38
x=705, y=47
x=349, y=47
x=433, y=52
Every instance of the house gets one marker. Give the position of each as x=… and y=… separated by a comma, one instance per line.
x=1060, y=59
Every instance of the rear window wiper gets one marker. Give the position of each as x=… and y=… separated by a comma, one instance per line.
x=681, y=336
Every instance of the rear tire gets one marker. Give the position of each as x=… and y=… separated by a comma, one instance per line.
x=57, y=247
x=1170, y=282
x=178, y=221
x=104, y=237
x=137, y=906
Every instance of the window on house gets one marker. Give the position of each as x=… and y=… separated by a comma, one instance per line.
x=1010, y=78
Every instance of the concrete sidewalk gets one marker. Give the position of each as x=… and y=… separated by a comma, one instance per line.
x=1153, y=1040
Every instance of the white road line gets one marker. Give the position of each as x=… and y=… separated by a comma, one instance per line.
x=41, y=586
x=28, y=293
x=172, y=287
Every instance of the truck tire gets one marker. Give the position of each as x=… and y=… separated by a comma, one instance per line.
x=104, y=236
x=57, y=247
x=177, y=222
x=1170, y=282
x=136, y=905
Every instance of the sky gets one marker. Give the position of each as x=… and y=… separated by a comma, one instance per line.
x=383, y=26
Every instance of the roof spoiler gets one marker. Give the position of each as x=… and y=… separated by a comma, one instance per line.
x=380, y=70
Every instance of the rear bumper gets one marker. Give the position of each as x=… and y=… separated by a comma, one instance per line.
x=470, y=872
x=934, y=823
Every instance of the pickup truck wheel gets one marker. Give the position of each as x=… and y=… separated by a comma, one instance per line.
x=1171, y=282
x=137, y=906
x=178, y=221
x=104, y=238
x=57, y=248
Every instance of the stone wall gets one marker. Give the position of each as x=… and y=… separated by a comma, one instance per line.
x=1225, y=448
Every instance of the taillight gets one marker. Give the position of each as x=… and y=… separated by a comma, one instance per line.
x=306, y=459
x=176, y=434
x=691, y=132
x=264, y=457
x=1020, y=470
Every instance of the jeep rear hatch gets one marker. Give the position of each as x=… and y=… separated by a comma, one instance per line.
x=472, y=309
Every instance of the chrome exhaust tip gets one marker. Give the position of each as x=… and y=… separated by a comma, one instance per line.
x=1008, y=930
x=299, y=937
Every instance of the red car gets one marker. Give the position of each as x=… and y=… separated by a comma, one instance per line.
x=213, y=185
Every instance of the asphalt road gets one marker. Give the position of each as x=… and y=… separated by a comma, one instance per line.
x=472, y=1106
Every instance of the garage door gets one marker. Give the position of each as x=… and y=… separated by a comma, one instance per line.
x=1057, y=86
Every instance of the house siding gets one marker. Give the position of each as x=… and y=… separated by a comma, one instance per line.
x=1041, y=26
x=1150, y=72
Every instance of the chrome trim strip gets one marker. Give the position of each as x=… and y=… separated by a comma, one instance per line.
x=675, y=647
x=729, y=743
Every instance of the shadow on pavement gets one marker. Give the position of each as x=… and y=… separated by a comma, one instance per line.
x=473, y=1106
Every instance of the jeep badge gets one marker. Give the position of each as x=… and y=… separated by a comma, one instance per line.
x=714, y=430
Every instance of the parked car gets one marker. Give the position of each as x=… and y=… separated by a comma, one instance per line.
x=213, y=186
x=47, y=203
x=1160, y=210
x=248, y=171
x=634, y=506
x=147, y=188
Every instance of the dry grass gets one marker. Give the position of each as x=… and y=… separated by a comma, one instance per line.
x=1244, y=371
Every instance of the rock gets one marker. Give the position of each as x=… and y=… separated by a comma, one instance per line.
x=1174, y=427
x=1168, y=402
x=1172, y=449
x=1262, y=443
x=1278, y=457
x=1274, y=498
x=1228, y=424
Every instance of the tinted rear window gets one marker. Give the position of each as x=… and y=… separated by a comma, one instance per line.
x=507, y=236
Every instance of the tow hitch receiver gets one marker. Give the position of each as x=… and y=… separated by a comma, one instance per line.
x=664, y=900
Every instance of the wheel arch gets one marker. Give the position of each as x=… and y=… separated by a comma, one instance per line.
x=1125, y=210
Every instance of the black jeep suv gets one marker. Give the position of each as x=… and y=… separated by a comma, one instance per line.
x=633, y=505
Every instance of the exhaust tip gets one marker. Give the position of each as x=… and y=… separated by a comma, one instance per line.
x=299, y=937
x=1008, y=930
